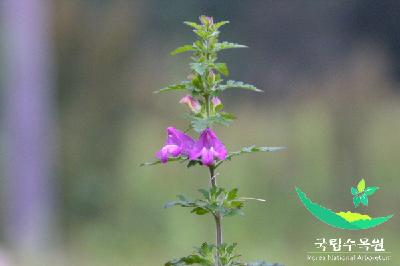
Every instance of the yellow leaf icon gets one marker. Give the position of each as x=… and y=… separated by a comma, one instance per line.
x=361, y=185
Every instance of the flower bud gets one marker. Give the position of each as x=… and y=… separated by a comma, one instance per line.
x=216, y=101
x=192, y=103
x=207, y=21
x=211, y=77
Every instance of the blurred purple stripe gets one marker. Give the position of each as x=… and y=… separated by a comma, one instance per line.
x=28, y=121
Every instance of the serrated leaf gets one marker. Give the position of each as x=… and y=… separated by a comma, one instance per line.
x=199, y=123
x=251, y=149
x=193, y=25
x=356, y=201
x=232, y=194
x=193, y=163
x=189, y=260
x=361, y=185
x=183, y=202
x=222, y=68
x=354, y=191
x=220, y=24
x=155, y=162
x=231, y=84
x=228, y=45
x=270, y=149
x=227, y=116
x=219, y=107
x=182, y=49
x=199, y=68
x=174, y=87
x=200, y=211
x=364, y=199
x=369, y=191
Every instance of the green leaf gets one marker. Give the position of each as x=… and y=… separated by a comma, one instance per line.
x=155, y=162
x=250, y=149
x=189, y=260
x=219, y=107
x=220, y=24
x=228, y=45
x=183, y=202
x=354, y=191
x=364, y=199
x=193, y=25
x=206, y=250
x=269, y=149
x=199, y=68
x=228, y=117
x=174, y=87
x=369, y=191
x=231, y=84
x=356, y=201
x=193, y=163
x=182, y=49
x=361, y=185
x=200, y=123
x=222, y=68
x=205, y=193
x=232, y=194
x=200, y=211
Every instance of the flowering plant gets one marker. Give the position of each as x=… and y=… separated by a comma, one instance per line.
x=203, y=87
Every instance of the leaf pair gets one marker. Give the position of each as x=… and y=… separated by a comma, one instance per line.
x=198, y=123
x=216, y=200
x=206, y=256
x=361, y=193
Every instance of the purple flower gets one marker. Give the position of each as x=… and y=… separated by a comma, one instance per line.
x=192, y=103
x=177, y=143
x=208, y=147
x=216, y=101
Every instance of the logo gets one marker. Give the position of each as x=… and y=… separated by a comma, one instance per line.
x=346, y=220
x=349, y=250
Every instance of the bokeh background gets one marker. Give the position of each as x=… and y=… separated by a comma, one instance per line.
x=78, y=116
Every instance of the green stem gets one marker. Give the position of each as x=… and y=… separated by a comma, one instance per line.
x=213, y=182
x=207, y=103
x=217, y=216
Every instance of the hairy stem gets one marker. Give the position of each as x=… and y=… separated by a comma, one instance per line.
x=217, y=216
x=207, y=103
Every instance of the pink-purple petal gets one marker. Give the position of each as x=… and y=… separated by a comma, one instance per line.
x=177, y=143
x=207, y=157
x=208, y=148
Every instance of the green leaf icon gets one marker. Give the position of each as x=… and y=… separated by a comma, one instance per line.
x=354, y=191
x=361, y=185
x=356, y=201
x=369, y=191
x=364, y=199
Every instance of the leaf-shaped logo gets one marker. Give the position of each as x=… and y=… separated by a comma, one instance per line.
x=369, y=191
x=361, y=185
x=361, y=193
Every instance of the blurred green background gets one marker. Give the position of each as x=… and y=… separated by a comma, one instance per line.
x=330, y=72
